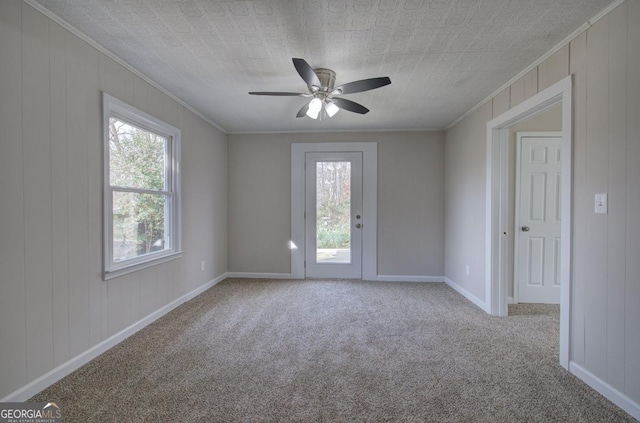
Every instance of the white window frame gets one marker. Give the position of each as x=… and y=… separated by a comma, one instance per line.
x=112, y=107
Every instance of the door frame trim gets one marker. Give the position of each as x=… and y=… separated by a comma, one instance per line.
x=516, y=208
x=497, y=203
x=297, y=247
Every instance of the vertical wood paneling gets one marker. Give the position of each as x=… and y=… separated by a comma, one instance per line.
x=140, y=88
x=617, y=193
x=632, y=227
x=501, y=102
x=578, y=49
x=112, y=77
x=162, y=106
x=129, y=96
x=148, y=291
x=53, y=303
x=162, y=281
x=77, y=185
x=220, y=233
x=175, y=276
x=464, y=197
x=91, y=59
x=59, y=212
x=115, y=295
x=104, y=308
x=111, y=82
x=124, y=302
x=595, y=280
x=13, y=353
x=133, y=301
x=176, y=265
x=37, y=191
x=128, y=302
x=524, y=87
x=554, y=68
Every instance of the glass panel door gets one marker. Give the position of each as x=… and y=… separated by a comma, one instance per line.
x=333, y=215
x=333, y=212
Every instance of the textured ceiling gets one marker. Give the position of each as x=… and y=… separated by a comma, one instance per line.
x=443, y=57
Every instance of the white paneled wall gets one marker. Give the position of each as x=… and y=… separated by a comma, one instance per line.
x=632, y=199
x=606, y=316
x=53, y=302
x=605, y=309
x=13, y=354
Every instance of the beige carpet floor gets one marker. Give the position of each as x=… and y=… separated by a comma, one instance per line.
x=334, y=351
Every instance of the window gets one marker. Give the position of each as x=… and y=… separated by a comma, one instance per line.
x=141, y=189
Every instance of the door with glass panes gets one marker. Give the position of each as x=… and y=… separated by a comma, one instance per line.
x=333, y=215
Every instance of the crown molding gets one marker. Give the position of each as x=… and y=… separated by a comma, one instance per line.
x=585, y=26
x=93, y=43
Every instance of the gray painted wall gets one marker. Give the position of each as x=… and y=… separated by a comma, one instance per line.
x=410, y=200
x=605, y=298
x=465, y=155
x=53, y=302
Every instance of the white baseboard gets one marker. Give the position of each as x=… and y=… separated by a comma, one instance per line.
x=54, y=375
x=413, y=278
x=384, y=278
x=468, y=295
x=510, y=300
x=250, y=275
x=608, y=391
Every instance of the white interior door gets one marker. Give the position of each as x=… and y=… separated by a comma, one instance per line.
x=333, y=215
x=538, y=211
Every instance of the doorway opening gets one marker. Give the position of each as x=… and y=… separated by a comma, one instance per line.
x=497, y=201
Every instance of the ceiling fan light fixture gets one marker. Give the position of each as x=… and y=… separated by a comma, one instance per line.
x=315, y=106
x=331, y=108
x=321, y=86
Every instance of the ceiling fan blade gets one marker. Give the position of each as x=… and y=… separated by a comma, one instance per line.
x=303, y=111
x=279, y=94
x=363, y=85
x=350, y=105
x=306, y=72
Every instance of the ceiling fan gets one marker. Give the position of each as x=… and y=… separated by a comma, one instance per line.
x=322, y=91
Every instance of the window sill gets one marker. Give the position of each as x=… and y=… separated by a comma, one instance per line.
x=116, y=273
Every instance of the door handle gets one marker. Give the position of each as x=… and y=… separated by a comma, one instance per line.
x=358, y=225
x=525, y=229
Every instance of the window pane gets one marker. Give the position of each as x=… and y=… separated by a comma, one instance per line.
x=136, y=157
x=333, y=212
x=138, y=224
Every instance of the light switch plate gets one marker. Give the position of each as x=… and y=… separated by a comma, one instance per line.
x=601, y=203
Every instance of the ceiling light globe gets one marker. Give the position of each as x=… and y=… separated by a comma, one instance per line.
x=315, y=106
x=331, y=108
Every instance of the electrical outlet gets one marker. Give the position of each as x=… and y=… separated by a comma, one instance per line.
x=467, y=269
x=202, y=266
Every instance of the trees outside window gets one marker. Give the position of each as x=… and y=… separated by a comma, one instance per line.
x=333, y=214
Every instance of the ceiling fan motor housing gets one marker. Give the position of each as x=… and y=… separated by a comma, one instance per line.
x=327, y=78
